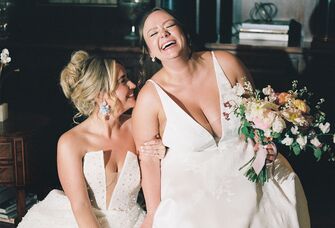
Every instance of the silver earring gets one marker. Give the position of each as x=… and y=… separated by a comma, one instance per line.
x=105, y=109
x=153, y=59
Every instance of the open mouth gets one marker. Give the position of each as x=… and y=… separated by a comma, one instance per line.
x=130, y=95
x=168, y=44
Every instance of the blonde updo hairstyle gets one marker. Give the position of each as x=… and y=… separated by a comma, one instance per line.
x=85, y=78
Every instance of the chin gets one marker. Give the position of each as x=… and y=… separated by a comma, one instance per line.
x=132, y=103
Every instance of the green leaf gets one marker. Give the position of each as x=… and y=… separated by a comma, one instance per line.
x=325, y=147
x=317, y=153
x=276, y=135
x=245, y=131
x=296, y=148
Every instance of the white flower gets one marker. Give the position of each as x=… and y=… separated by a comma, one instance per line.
x=278, y=125
x=272, y=97
x=302, y=141
x=301, y=121
x=247, y=86
x=287, y=140
x=267, y=133
x=334, y=138
x=4, y=56
x=315, y=141
x=238, y=89
x=267, y=90
x=295, y=130
x=325, y=128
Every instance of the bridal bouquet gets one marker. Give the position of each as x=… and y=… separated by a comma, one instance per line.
x=286, y=118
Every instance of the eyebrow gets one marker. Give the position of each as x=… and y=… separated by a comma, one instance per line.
x=171, y=19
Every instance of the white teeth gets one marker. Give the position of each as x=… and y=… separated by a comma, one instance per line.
x=168, y=43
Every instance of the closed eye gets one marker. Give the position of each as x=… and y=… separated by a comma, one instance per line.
x=171, y=25
x=123, y=79
x=152, y=34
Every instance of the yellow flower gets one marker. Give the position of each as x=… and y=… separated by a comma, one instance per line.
x=294, y=116
x=301, y=105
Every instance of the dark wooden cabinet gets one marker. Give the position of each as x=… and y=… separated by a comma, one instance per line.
x=18, y=136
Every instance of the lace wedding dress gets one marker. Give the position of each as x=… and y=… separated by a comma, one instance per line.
x=201, y=185
x=122, y=212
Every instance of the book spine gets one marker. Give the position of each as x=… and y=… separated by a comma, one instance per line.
x=263, y=36
x=264, y=26
x=12, y=205
x=8, y=220
x=276, y=31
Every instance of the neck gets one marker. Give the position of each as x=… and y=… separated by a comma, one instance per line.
x=105, y=127
x=179, y=69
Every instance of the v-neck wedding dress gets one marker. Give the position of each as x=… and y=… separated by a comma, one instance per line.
x=122, y=212
x=201, y=185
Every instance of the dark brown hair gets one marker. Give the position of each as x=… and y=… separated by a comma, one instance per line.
x=148, y=68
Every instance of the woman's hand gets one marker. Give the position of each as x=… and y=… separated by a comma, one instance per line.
x=152, y=149
x=271, y=152
x=270, y=148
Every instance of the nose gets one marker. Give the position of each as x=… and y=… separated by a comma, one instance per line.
x=131, y=85
x=164, y=33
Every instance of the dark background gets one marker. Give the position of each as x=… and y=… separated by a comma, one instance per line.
x=43, y=36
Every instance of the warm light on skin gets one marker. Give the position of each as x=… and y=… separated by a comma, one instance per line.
x=159, y=28
x=125, y=89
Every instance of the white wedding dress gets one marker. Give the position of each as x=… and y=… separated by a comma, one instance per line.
x=122, y=212
x=201, y=185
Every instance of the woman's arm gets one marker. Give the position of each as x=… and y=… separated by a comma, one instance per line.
x=145, y=128
x=69, y=164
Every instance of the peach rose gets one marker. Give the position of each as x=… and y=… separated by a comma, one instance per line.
x=283, y=97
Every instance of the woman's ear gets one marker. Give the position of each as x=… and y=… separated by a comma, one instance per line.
x=101, y=97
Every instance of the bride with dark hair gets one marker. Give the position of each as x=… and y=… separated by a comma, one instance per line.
x=198, y=183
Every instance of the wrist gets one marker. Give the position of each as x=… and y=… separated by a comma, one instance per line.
x=150, y=214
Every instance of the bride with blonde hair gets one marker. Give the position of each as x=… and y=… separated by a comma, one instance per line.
x=97, y=161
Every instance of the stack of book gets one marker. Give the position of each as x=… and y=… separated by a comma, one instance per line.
x=8, y=212
x=266, y=31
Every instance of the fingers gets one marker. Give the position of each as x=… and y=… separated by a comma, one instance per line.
x=153, y=148
x=270, y=158
x=272, y=153
x=256, y=147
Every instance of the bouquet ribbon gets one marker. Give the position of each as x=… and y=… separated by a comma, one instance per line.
x=260, y=158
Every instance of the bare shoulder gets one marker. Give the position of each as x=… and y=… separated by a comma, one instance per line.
x=147, y=95
x=234, y=69
x=223, y=57
x=71, y=142
x=226, y=58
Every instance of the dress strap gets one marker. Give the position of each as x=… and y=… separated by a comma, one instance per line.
x=219, y=72
x=167, y=103
x=159, y=90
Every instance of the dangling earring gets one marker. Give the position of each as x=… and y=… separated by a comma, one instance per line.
x=153, y=59
x=105, y=110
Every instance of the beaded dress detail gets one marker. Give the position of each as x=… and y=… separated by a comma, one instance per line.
x=122, y=212
x=201, y=185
